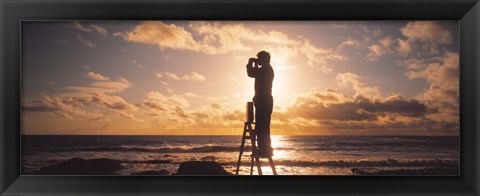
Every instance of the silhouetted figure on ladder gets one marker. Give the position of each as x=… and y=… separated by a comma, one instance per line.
x=262, y=71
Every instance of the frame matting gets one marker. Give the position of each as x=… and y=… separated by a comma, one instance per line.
x=12, y=12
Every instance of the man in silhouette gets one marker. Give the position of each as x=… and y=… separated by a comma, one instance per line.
x=262, y=71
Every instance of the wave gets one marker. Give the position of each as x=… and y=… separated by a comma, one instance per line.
x=378, y=163
x=393, y=163
x=201, y=149
x=217, y=148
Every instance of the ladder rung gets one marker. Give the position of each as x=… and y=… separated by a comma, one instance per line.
x=252, y=139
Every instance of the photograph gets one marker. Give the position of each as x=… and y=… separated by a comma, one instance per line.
x=228, y=98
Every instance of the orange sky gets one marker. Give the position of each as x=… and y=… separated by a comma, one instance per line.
x=189, y=78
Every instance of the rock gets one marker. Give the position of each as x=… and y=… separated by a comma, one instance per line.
x=79, y=166
x=162, y=172
x=201, y=168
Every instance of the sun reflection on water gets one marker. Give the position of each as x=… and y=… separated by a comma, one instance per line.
x=278, y=142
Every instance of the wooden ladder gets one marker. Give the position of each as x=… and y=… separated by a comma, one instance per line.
x=249, y=133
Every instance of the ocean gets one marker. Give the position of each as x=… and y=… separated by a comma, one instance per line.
x=293, y=155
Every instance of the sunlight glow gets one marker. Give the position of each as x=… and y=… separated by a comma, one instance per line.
x=278, y=141
x=281, y=83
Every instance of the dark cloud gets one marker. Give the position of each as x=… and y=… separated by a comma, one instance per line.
x=396, y=105
x=316, y=106
x=342, y=111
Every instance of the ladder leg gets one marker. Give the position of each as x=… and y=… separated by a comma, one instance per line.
x=272, y=165
x=259, y=166
x=242, y=146
x=253, y=137
x=251, y=166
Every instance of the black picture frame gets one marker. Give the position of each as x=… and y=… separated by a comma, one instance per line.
x=12, y=12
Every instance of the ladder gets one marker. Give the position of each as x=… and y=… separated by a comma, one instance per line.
x=249, y=133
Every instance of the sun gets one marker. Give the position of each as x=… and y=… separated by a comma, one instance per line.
x=282, y=83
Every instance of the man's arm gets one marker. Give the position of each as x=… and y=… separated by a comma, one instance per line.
x=251, y=71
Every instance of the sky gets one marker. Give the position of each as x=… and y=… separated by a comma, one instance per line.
x=189, y=77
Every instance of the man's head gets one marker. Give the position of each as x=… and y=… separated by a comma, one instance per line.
x=263, y=58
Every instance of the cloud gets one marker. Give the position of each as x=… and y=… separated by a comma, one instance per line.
x=158, y=101
x=349, y=42
x=97, y=76
x=376, y=50
x=78, y=101
x=127, y=115
x=102, y=87
x=216, y=106
x=112, y=102
x=318, y=55
x=86, y=42
x=331, y=112
x=360, y=88
x=394, y=104
x=332, y=105
x=368, y=112
x=167, y=75
x=83, y=91
x=91, y=28
x=162, y=35
x=236, y=115
x=180, y=112
x=387, y=42
x=112, y=85
x=340, y=112
x=443, y=79
x=220, y=38
x=124, y=81
x=327, y=105
x=100, y=30
x=67, y=107
x=63, y=107
x=428, y=35
x=194, y=76
x=326, y=97
x=427, y=31
x=78, y=26
x=403, y=47
x=382, y=47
